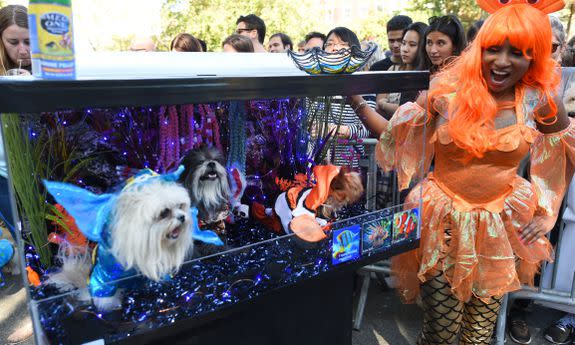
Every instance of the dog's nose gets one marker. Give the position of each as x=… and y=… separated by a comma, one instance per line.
x=182, y=218
x=211, y=165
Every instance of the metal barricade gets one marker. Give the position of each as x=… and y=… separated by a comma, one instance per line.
x=368, y=162
x=380, y=269
x=550, y=297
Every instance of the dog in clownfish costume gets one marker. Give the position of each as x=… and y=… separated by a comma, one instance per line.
x=307, y=210
x=146, y=228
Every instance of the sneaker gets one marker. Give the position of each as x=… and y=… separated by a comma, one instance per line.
x=561, y=332
x=518, y=328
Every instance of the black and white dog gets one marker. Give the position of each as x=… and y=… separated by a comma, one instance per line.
x=206, y=179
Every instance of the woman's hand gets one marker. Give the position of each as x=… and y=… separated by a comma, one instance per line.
x=540, y=225
x=354, y=100
x=342, y=132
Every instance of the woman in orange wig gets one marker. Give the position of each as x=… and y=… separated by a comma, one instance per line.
x=483, y=227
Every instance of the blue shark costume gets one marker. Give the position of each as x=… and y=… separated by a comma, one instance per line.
x=92, y=215
x=6, y=254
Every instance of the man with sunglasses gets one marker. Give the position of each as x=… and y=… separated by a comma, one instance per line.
x=253, y=27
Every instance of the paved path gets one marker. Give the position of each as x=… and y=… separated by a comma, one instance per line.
x=387, y=321
x=13, y=308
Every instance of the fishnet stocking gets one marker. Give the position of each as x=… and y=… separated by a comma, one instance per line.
x=444, y=316
x=442, y=313
x=479, y=319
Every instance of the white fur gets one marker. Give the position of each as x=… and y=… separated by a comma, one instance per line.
x=108, y=303
x=139, y=239
x=74, y=273
x=140, y=235
x=209, y=195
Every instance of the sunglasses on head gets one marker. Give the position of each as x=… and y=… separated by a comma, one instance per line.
x=440, y=20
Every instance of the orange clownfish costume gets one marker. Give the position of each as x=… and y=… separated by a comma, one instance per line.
x=297, y=207
x=305, y=211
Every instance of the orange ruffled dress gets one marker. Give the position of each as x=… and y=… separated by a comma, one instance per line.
x=482, y=200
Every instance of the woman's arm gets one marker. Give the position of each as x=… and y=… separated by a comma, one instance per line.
x=372, y=120
x=542, y=222
x=557, y=123
x=387, y=109
x=384, y=107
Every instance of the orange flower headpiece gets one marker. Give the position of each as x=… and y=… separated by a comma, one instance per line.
x=545, y=6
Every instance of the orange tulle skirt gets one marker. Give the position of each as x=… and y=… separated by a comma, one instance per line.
x=482, y=256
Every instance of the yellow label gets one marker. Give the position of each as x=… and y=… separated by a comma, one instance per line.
x=53, y=24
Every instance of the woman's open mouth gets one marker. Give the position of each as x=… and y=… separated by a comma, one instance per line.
x=498, y=78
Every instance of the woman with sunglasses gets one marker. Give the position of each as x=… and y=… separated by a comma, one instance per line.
x=482, y=226
x=444, y=39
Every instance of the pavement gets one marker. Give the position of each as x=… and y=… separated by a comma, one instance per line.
x=386, y=320
x=13, y=309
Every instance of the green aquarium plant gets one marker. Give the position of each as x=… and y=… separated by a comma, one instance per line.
x=26, y=170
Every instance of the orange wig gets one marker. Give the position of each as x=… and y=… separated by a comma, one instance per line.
x=473, y=109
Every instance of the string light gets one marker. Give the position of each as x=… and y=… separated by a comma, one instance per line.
x=207, y=285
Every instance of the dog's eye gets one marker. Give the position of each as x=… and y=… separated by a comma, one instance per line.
x=182, y=207
x=165, y=213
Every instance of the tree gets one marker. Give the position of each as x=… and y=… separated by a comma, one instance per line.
x=466, y=10
x=214, y=20
x=373, y=27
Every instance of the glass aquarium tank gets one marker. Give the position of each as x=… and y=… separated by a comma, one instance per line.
x=154, y=202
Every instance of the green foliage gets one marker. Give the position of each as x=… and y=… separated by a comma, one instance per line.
x=467, y=10
x=26, y=173
x=214, y=20
x=372, y=28
x=122, y=43
x=51, y=155
x=58, y=217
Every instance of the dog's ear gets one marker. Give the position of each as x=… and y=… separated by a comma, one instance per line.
x=186, y=161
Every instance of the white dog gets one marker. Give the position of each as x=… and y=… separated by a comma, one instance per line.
x=147, y=228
